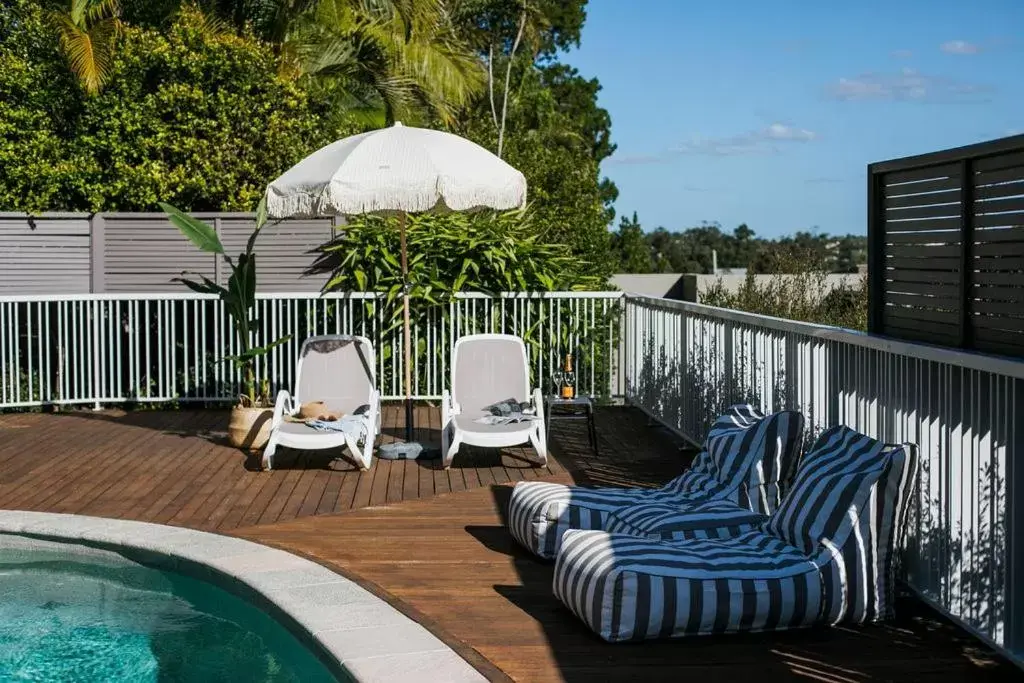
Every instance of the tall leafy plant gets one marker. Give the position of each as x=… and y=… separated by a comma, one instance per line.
x=239, y=297
x=488, y=253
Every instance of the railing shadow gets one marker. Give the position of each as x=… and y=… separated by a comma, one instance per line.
x=903, y=649
x=960, y=539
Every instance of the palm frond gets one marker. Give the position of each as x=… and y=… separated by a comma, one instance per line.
x=88, y=33
x=98, y=10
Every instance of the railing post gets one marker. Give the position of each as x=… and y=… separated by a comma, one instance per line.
x=216, y=260
x=728, y=365
x=97, y=353
x=1013, y=635
x=835, y=355
x=97, y=246
x=684, y=388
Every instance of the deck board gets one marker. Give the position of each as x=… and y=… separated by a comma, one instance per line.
x=433, y=541
x=174, y=467
x=449, y=562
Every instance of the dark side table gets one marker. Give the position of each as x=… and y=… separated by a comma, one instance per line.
x=579, y=408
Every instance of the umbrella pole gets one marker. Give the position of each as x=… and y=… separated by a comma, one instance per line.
x=408, y=332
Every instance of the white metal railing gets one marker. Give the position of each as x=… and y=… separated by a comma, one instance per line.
x=680, y=362
x=965, y=555
x=116, y=348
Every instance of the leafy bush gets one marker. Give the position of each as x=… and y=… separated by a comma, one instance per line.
x=192, y=116
x=487, y=252
x=455, y=252
x=798, y=290
x=557, y=136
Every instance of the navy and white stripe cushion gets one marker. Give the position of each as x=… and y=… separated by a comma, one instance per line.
x=752, y=454
x=627, y=588
x=668, y=522
x=860, y=582
x=835, y=475
x=744, y=457
x=540, y=511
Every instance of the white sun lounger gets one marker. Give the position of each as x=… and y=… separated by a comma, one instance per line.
x=487, y=369
x=337, y=369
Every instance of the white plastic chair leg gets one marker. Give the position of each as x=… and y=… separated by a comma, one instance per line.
x=539, y=445
x=360, y=455
x=268, y=452
x=451, y=449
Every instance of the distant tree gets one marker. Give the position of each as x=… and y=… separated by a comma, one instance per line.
x=693, y=250
x=553, y=143
x=745, y=246
x=632, y=247
x=850, y=252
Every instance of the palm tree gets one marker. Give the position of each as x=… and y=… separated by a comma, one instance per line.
x=386, y=59
x=375, y=60
x=88, y=32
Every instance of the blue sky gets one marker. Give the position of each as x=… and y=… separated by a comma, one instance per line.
x=768, y=113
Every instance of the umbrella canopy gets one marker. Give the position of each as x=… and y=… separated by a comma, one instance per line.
x=396, y=169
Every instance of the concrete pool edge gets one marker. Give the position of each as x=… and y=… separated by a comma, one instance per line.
x=361, y=633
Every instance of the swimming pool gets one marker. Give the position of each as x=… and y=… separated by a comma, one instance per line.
x=95, y=615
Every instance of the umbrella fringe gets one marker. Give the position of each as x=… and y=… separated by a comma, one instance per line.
x=318, y=205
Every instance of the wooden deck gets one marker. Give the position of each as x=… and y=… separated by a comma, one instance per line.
x=433, y=543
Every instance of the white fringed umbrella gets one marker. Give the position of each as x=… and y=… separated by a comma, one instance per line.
x=396, y=170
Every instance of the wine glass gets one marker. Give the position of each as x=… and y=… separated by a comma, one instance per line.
x=556, y=378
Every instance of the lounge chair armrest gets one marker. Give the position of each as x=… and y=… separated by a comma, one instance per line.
x=283, y=406
x=538, y=402
x=448, y=408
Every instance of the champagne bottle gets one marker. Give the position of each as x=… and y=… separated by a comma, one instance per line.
x=568, y=389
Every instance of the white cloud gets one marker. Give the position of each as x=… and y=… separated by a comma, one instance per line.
x=764, y=141
x=907, y=85
x=959, y=47
x=778, y=131
x=767, y=140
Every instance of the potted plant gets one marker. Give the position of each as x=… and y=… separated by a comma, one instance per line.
x=252, y=415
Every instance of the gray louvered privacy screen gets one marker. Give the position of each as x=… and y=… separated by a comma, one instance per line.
x=946, y=247
x=69, y=253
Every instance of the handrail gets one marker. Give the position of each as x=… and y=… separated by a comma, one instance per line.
x=271, y=296
x=967, y=359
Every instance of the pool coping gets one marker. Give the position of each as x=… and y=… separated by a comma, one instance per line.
x=356, y=631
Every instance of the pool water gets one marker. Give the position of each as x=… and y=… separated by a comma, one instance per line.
x=97, y=616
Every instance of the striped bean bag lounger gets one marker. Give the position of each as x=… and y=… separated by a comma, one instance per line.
x=747, y=459
x=826, y=556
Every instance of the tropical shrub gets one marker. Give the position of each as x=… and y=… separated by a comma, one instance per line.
x=799, y=289
x=190, y=115
x=487, y=253
x=239, y=297
x=452, y=252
